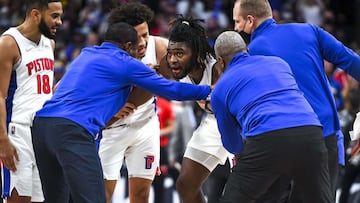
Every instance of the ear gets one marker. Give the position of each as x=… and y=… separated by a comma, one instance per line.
x=127, y=46
x=251, y=19
x=217, y=71
x=131, y=49
x=220, y=63
x=35, y=15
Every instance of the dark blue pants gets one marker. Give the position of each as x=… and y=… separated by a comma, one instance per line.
x=68, y=162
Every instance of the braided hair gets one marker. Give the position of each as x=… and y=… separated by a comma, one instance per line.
x=191, y=31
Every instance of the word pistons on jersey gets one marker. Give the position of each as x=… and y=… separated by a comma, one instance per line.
x=40, y=65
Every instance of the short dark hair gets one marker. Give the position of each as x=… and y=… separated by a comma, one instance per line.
x=121, y=33
x=191, y=31
x=133, y=13
x=37, y=4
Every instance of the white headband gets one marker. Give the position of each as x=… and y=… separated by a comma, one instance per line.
x=185, y=22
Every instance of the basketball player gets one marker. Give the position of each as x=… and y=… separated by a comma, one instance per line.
x=139, y=140
x=192, y=60
x=26, y=79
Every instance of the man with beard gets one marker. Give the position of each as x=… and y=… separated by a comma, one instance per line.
x=26, y=66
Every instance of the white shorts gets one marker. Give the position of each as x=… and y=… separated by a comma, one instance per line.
x=26, y=179
x=205, y=146
x=137, y=143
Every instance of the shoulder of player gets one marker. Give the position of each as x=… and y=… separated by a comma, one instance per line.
x=52, y=42
x=9, y=44
x=7, y=41
x=161, y=41
x=7, y=59
x=161, y=45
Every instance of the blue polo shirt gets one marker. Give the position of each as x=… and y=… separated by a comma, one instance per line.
x=255, y=95
x=99, y=81
x=304, y=47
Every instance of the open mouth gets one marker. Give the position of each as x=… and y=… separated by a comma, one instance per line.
x=176, y=70
x=141, y=51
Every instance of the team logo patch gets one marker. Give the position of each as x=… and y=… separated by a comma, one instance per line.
x=149, y=159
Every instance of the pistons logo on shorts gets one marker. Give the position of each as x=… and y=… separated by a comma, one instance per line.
x=149, y=159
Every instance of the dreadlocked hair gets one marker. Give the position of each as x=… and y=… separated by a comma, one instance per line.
x=133, y=13
x=191, y=31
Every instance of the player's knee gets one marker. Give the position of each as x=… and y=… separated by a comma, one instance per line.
x=141, y=194
x=182, y=186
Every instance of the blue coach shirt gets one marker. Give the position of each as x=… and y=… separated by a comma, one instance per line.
x=304, y=47
x=99, y=82
x=255, y=95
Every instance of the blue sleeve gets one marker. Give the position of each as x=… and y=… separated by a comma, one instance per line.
x=338, y=54
x=341, y=149
x=146, y=78
x=228, y=126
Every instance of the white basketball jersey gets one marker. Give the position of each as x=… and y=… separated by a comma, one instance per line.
x=145, y=110
x=150, y=55
x=31, y=78
x=207, y=76
x=205, y=80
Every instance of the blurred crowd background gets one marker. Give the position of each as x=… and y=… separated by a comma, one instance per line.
x=85, y=21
